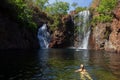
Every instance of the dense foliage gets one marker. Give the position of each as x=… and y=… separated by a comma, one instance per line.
x=29, y=13
x=79, y=9
x=106, y=6
x=105, y=11
x=55, y=11
x=24, y=13
x=20, y=12
x=58, y=8
x=41, y=4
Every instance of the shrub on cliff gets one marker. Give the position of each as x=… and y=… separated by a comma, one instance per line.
x=24, y=13
x=106, y=6
x=104, y=10
x=55, y=11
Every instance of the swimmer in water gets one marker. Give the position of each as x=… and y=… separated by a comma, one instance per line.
x=84, y=75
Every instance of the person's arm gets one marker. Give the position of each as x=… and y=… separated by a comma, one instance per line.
x=78, y=70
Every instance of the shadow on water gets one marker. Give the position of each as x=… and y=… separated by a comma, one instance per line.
x=17, y=64
x=58, y=64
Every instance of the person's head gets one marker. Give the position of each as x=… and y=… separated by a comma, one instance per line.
x=82, y=66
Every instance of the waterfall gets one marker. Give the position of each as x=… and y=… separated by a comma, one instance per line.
x=43, y=36
x=83, y=29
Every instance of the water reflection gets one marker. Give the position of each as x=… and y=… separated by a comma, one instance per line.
x=53, y=63
x=82, y=56
x=42, y=65
x=114, y=63
x=106, y=65
x=17, y=64
x=58, y=64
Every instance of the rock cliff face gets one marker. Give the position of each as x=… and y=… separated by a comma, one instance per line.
x=18, y=33
x=13, y=36
x=114, y=39
x=63, y=36
x=106, y=36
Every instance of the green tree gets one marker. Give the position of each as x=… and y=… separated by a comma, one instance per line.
x=105, y=11
x=59, y=7
x=74, y=4
x=106, y=6
x=23, y=13
x=78, y=9
x=41, y=3
x=56, y=11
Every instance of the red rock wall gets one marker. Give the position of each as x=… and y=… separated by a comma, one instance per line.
x=114, y=38
x=106, y=36
x=63, y=36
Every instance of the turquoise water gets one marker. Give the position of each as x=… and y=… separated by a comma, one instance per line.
x=58, y=64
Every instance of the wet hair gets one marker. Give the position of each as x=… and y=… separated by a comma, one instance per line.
x=82, y=66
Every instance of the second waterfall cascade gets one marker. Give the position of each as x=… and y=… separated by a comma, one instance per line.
x=82, y=20
x=43, y=36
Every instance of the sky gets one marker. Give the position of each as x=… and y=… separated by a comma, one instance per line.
x=81, y=3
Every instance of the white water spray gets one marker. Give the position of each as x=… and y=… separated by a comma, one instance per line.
x=43, y=36
x=84, y=29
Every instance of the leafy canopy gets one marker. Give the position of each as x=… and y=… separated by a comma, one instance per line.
x=106, y=6
x=23, y=13
x=59, y=7
x=105, y=11
x=41, y=3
